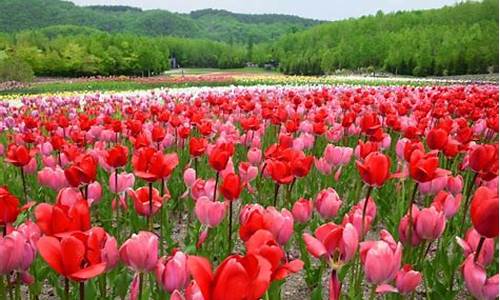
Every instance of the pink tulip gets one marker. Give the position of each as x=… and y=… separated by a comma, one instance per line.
x=30, y=168
x=254, y=156
x=125, y=181
x=400, y=148
x=404, y=228
x=68, y=196
x=302, y=210
x=94, y=193
x=381, y=259
x=492, y=184
x=336, y=155
x=172, y=272
x=307, y=140
x=469, y=246
x=140, y=252
x=386, y=142
x=447, y=203
x=434, y=186
x=355, y=216
x=189, y=177
x=328, y=203
x=333, y=241
x=247, y=172
x=203, y=188
x=407, y=280
x=209, y=213
x=476, y=280
x=323, y=166
x=430, y=224
x=176, y=295
x=455, y=184
x=193, y=292
x=10, y=247
x=280, y=224
x=49, y=161
x=52, y=178
x=45, y=148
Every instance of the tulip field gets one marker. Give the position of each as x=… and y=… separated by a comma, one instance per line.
x=256, y=192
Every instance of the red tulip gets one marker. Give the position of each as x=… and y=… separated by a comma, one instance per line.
x=152, y=165
x=101, y=247
x=54, y=219
x=423, y=167
x=484, y=212
x=231, y=187
x=246, y=277
x=9, y=207
x=375, y=169
x=437, y=139
x=484, y=161
x=19, y=156
x=117, y=156
x=280, y=171
x=219, y=156
x=68, y=257
x=369, y=123
x=197, y=146
x=263, y=243
x=158, y=134
x=141, y=196
x=83, y=170
x=301, y=165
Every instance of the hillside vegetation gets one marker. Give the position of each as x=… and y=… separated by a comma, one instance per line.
x=461, y=39
x=218, y=25
x=58, y=38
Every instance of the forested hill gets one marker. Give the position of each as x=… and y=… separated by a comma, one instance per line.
x=458, y=39
x=218, y=25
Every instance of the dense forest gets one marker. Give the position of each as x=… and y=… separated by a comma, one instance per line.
x=217, y=25
x=79, y=51
x=452, y=40
x=116, y=40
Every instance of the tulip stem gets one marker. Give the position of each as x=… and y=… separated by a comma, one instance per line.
x=102, y=285
x=229, y=239
x=478, y=249
x=365, y=205
x=66, y=288
x=82, y=290
x=141, y=277
x=150, y=214
x=215, y=187
x=373, y=292
x=196, y=165
x=410, y=211
x=24, y=185
x=3, y=294
x=467, y=202
x=276, y=191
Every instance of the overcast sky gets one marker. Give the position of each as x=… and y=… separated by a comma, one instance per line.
x=317, y=9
